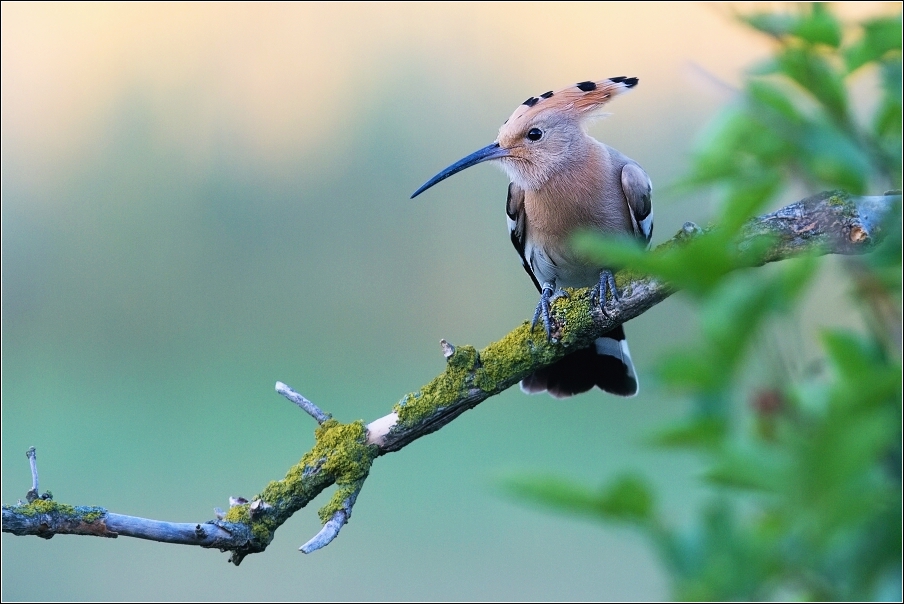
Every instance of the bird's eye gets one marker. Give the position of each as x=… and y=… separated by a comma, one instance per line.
x=534, y=134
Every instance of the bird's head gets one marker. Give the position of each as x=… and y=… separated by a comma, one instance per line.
x=543, y=135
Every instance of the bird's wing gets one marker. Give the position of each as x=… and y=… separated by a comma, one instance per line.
x=517, y=223
x=639, y=192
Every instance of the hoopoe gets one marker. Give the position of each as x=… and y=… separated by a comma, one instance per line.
x=562, y=181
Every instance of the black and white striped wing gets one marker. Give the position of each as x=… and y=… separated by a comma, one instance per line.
x=517, y=223
x=639, y=193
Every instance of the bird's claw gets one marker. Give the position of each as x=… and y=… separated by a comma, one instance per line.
x=548, y=295
x=603, y=289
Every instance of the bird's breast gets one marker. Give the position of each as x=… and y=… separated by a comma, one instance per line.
x=552, y=220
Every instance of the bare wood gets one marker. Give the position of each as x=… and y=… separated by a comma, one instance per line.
x=32, y=456
x=303, y=403
x=827, y=223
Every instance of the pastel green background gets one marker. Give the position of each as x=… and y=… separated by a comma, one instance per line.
x=202, y=199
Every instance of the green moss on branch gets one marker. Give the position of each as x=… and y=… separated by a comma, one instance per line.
x=340, y=456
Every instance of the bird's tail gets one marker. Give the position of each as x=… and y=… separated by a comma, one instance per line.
x=606, y=364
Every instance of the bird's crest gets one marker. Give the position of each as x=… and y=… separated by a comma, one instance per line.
x=580, y=99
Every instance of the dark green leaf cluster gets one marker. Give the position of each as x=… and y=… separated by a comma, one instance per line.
x=795, y=118
x=807, y=471
x=822, y=472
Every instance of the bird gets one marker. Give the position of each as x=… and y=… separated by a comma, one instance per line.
x=562, y=181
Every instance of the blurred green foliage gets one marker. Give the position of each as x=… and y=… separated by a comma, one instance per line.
x=806, y=474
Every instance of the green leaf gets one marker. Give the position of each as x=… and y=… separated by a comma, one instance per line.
x=731, y=315
x=765, y=67
x=791, y=282
x=757, y=469
x=827, y=154
x=553, y=492
x=887, y=119
x=768, y=98
x=864, y=375
x=697, y=265
x=884, y=263
x=737, y=151
x=819, y=26
x=854, y=357
x=729, y=558
x=815, y=24
x=703, y=432
x=690, y=370
x=817, y=76
x=833, y=159
x=628, y=498
x=774, y=24
x=880, y=36
x=742, y=202
x=716, y=158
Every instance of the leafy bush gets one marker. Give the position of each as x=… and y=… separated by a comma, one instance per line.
x=808, y=473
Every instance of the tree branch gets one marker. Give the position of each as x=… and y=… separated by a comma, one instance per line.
x=827, y=223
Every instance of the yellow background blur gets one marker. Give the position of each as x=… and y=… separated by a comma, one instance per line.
x=202, y=199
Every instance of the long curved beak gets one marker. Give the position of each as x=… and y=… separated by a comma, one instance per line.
x=489, y=152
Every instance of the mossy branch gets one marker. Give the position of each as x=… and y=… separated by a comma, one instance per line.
x=826, y=223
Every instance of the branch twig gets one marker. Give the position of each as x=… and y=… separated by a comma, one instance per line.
x=331, y=529
x=32, y=494
x=825, y=223
x=305, y=405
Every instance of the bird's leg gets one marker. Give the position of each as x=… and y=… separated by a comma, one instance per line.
x=603, y=288
x=548, y=295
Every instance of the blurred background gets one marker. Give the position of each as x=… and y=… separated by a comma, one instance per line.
x=200, y=200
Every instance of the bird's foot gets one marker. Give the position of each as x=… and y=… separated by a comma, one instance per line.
x=548, y=295
x=603, y=289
